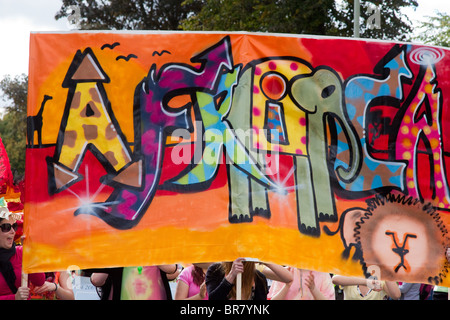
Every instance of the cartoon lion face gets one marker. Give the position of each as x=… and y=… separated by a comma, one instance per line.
x=402, y=238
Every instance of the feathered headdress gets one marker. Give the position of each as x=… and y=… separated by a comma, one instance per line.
x=5, y=213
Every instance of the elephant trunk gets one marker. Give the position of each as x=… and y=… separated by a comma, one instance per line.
x=320, y=96
x=347, y=175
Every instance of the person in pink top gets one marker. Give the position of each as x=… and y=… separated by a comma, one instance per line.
x=306, y=285
x=11, y=263
x=147, y=282
x=191, y=283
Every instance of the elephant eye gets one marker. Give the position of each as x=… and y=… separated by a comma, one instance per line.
x=328, y=91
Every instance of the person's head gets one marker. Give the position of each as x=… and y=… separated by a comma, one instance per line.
x=198, y=272
x=7, y=232
x=202, y=265
x=248, y=278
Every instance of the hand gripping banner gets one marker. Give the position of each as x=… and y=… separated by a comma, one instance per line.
x=327, y=154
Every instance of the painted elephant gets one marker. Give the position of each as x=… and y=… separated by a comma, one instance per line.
x=320, y=95
x=297, y=107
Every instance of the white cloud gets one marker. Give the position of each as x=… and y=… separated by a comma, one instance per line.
x=15, y=45
x=427, y=8
x=41, y=12
x=17, y=19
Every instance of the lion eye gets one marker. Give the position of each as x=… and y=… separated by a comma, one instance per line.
x=328, y=91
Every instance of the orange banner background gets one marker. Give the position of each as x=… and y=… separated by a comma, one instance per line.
x=177, y=227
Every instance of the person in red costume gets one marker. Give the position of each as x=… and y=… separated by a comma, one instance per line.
x=11, y=263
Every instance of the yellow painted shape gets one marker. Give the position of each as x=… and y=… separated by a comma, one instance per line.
x=296, y=133
x=76, y=123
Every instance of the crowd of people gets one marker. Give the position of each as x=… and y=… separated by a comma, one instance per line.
x=199, y=281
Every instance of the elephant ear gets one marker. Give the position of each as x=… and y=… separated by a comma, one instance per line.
x=349, y=229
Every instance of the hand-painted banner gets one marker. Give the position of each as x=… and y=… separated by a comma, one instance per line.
x=328, y=154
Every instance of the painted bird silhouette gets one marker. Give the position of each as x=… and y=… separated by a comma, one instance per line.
x=160, y=53
x=110, y=46
x=126, y=58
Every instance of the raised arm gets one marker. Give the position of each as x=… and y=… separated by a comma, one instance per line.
x=392, y=289
x=277, y=273
x=351, y=281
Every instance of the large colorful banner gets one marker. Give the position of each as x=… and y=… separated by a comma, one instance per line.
x=147, y=148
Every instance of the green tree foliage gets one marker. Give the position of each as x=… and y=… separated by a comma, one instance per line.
x=436, y=30
x=13, y=125
x=317, y=17
x=394, y=24
x=281, y=16
x=129, y=14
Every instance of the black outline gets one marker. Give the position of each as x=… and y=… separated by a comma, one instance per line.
x=110, y=46
x=71, y=84
x=160, y=53
x=126, y=58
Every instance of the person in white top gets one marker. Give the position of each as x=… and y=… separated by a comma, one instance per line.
x=367, y=289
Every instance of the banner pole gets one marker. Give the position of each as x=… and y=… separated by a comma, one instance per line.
x=356, y=14
x=24, y=279
x=239, y=286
